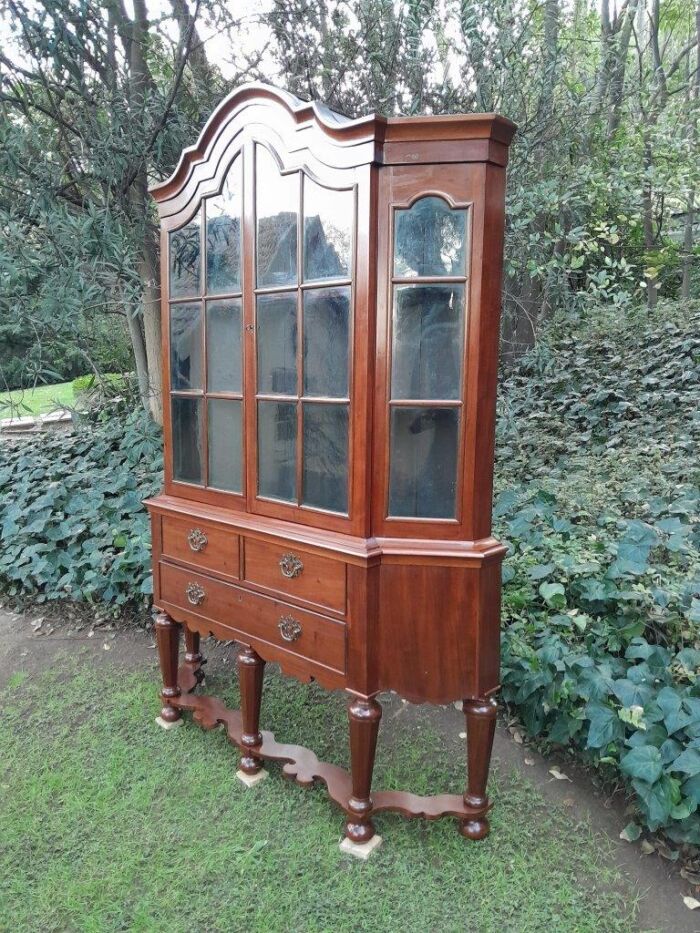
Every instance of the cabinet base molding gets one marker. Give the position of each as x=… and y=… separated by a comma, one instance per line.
x=301, y=765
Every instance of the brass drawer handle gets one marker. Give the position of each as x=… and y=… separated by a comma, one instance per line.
x=291, y=566
x=197, y=540
x=195, y=593
x=289, y=628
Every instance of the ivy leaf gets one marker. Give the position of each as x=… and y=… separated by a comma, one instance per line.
x=643, y=762
x=688, y=762
x=540, y=571
x=554, y=595
x=605, y=725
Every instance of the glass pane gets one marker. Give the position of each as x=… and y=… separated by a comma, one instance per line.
x=224, y=235
x=185, y=265
x=186, y=346
x=325, y=475
x=423, y=472
x=428, y=341
x=277, y=344
x=328, y=223
x=277, y=450
x=225, y=461
x=224, y=345
x=326, y=341
x=277, y=209
x=430, y=239
x=187, y=439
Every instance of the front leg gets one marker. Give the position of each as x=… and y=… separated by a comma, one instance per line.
x=481, y=727
x=364, y=714
x=251, y=668
x=168, y=639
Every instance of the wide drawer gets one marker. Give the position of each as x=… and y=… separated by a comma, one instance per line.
x=199, y=543
x=296, y=573
x=304, y=633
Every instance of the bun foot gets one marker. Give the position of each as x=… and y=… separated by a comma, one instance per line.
x=359, y=833
x=474, y=829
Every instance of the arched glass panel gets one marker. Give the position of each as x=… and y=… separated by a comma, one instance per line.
x=185, y=260
x=328, y=223
x=430, y=239
x=223, y=215
x=277, y=212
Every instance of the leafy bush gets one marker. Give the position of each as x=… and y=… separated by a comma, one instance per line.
x=598, y=497
x=71, y=519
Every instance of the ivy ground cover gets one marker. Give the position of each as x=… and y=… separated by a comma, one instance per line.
x=597, y=496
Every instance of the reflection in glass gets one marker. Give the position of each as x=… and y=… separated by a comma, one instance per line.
x=428, y=341
x=430, y=239
x=326, y=341
x=325, y=468
x=224, y=345
x=225, y=461
x=277, y=209
x=328, y=222
x=187, y=439
x=277, y=437
x=423, y=471
x=185, y=256
x=224, y=235
x=186, y=346
x=277, y=344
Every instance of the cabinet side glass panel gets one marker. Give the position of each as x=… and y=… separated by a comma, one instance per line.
x=185, y=260
x=428, y=329
x=186, y=413
x=277, y=214
x=430, y=239
x=423, y=472
x=223, y=239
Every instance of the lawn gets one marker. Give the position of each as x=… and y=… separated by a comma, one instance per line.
x=37, y=401
x=109, y=823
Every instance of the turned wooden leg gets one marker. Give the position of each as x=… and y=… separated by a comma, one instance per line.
x=193, y=656
x=481, y=726
x=364, y=716
x=168, y=639
x=250, y=672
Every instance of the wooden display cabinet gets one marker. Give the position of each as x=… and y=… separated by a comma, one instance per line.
x=330, y=300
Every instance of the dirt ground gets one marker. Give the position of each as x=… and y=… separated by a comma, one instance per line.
x=26, y=646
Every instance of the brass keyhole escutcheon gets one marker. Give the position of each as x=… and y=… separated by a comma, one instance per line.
x=195, y=594
x=291, y=566
x=290, y=628
x=197, y=540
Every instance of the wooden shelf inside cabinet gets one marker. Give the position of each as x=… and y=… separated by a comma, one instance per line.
x=330, y=305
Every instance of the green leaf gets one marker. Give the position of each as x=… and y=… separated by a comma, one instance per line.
x=605, y=725
x=643, y=762
x=540, y=571
x=631, y=832
x=688, y=762
x=554, y=595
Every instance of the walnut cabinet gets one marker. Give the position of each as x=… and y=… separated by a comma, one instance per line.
x=330, y=306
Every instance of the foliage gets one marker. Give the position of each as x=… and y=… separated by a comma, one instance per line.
x=72, y=523
x=598, y=496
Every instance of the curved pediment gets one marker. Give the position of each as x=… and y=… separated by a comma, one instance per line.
x=305, y=133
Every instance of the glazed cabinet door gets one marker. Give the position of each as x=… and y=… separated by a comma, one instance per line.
x=262, y=340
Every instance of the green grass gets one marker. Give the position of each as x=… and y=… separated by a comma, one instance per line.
x=37, y=401
x=109, y=823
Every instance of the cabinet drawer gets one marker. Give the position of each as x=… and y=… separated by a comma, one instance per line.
x=295, y=630
x=295, y=573
x=201, y=544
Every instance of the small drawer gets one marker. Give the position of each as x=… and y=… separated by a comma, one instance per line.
x=287, y=627
x=203, y=545
x=296, y=573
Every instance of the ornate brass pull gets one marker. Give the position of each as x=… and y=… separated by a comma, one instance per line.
x=197, y=540
x=291, y=566
x=195, y=593
x=289, y=628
